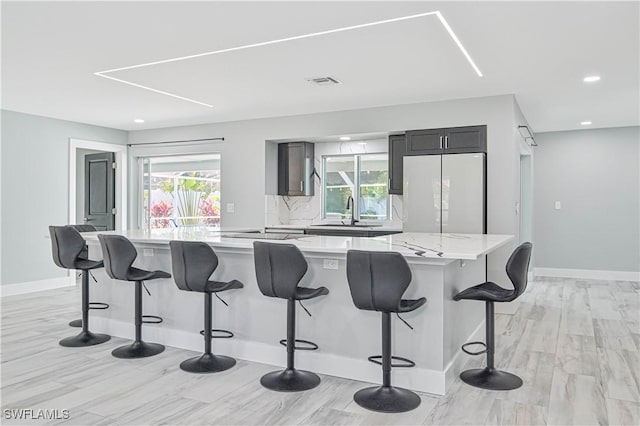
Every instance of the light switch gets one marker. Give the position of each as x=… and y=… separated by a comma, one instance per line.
x=558, y=205
x=231, y=208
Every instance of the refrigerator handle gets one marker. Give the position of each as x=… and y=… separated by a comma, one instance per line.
x=440, y=142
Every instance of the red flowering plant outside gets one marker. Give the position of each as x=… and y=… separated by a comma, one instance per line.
x=210, y=207
x=162, y=210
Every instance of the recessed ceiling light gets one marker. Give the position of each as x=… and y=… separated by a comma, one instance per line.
x=585, y=123
x=591, y=78
x=138, y=120
x=345, y=138
x=362, y=143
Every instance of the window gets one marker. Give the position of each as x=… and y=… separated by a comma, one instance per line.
x=369, y=174
x=181, y=191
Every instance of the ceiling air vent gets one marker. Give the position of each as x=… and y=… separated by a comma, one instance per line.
x=324, y=81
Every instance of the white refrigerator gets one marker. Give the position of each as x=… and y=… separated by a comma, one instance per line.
x=445, y=193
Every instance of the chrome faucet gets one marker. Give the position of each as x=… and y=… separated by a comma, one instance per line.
x=350, y=205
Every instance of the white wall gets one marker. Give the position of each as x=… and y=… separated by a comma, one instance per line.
x=34, y=191
x=594, y=174
x=243, y=152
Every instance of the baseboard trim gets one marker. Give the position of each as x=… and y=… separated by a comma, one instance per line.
x=35, y=286
x=588, y=274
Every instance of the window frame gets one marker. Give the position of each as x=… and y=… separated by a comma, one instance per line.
x=356, y=184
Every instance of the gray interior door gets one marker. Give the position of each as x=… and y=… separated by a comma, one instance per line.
x=99, y=191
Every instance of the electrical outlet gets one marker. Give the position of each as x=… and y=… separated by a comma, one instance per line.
x=558, y=205
x=330, y=264
x=147, y=252
x=231, y=208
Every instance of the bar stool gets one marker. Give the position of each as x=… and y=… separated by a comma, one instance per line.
x=119, y=254
x=192, y=264
x=377, y=281
x=489, y=292
x=279, y=269
x=67, y=246
x=85, y=255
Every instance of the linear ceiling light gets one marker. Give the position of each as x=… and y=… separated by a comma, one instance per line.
x=282, y=40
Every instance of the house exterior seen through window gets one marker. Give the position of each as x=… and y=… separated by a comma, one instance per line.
x=181, y=191
x=364, y=177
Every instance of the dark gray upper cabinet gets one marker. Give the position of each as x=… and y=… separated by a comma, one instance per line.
x=454, y=140
x=425, y=142
x=295, y=168
x=397, y=149
x=460, y=140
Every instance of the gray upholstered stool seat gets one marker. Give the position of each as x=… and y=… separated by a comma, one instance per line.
x=193, y=263
x=489, y=292
x=69, y=252
x=217, y=286
x=279, y=269
x=119, y=254
x=377, y=281
x=135, y=274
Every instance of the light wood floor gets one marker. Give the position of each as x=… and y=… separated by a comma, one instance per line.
x=574, y=343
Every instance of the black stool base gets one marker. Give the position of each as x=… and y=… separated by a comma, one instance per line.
x=208, y=363
x=76, y=323
x=290, y=380
x=490, y=378
x=138, y=349
x=86, y=338
x=387, y=399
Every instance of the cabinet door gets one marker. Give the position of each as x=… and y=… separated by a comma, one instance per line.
x=459, y=140
x=397, y=148
x=296, y=166
x=425, y=142
x=283, y=169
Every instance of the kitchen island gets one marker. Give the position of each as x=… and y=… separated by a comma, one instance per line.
x=441, y=264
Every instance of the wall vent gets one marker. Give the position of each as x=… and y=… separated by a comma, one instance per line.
x=324, y=81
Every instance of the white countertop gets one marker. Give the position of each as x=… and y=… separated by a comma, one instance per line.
x=409, y=244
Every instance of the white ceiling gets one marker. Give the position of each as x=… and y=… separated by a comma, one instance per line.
x=538, y=51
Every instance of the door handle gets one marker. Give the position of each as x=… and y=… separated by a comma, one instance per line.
x=446, y=142
x=301, y=186
x=440, y=142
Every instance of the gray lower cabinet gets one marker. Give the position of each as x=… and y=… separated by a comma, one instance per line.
x=295, y=168
x=397, y=149
x=349, y=232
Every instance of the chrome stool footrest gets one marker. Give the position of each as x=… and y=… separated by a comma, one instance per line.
x=224, y=334
x=311, y=346
x=464, y=349
x=377, y=359
x=153, y=319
